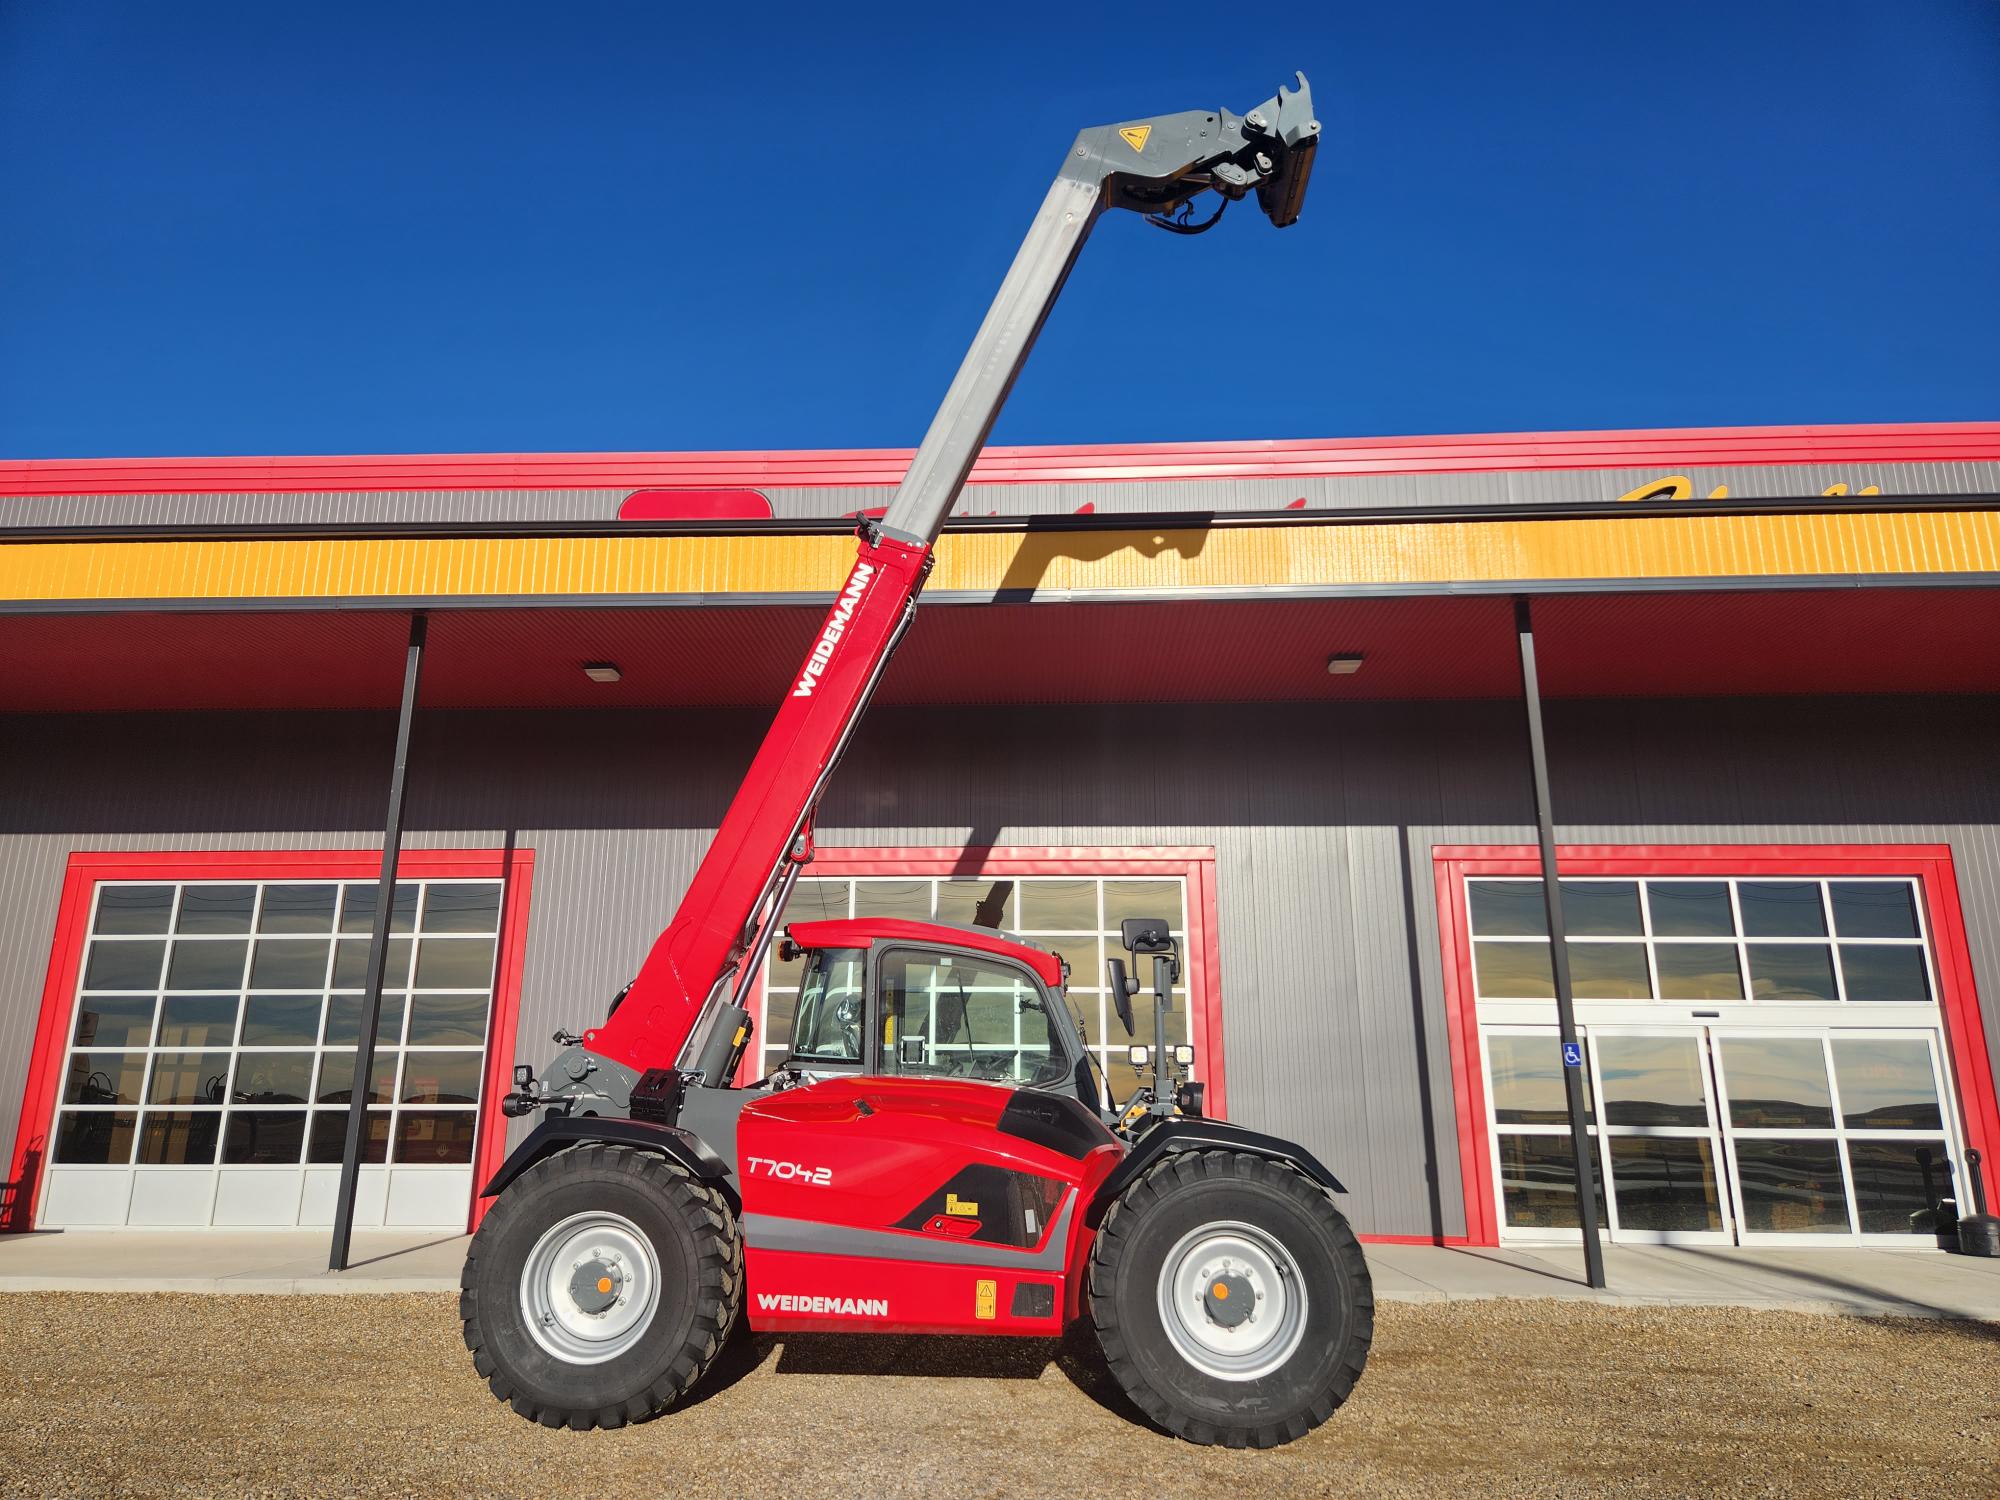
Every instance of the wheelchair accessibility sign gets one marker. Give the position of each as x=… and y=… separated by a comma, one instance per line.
x=1572, y=1054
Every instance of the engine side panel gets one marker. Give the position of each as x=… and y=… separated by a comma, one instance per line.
x=913, y=1205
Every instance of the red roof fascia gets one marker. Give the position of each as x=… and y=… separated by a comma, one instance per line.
x=1667, y=449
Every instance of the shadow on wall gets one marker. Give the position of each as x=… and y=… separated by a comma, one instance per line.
x=17, y=1197
x=1041, y=552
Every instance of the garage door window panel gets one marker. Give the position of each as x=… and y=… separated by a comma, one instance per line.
x=124, y=965
x=329, y=1137
x=93, y=1137
x=198, y=1020
x=105, y=1078
x=264, y=1137
x=115, y=1020
x=281, y=1020
x=180, y=1138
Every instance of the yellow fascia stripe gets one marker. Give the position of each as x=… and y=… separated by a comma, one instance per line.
x=1233, y=558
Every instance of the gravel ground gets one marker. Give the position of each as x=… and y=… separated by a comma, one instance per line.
x=165, y=1394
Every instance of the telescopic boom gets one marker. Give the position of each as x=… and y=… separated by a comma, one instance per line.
x=1155, y=167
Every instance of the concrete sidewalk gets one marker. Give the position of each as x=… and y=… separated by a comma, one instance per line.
x=1907, y=1283
x=1922, y=1283
x=227, y=1260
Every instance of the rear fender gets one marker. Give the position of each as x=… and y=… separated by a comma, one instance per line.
x=560, y=1132
x=1180, y=1133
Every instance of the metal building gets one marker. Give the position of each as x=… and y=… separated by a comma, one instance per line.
x=1271, y=689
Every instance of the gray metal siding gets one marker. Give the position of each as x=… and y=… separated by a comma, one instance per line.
x=1323, y=819
x=1190, y=496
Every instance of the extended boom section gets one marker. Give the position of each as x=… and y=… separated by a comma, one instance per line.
x=767, y=827
x=1155, y=167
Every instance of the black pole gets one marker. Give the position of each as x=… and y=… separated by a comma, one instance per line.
x=1579, y=1135
x=378, y=959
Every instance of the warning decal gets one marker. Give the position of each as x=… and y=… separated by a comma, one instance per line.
x=1135, y=136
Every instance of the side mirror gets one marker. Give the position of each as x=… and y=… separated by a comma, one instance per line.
x=1121, y=991
x=1145, y=935
x=913, y=1052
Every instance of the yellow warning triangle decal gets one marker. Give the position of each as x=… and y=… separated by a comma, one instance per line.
x=1135, y=136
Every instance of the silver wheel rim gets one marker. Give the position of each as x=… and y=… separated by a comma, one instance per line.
x=590, y=1288
x=1244, y=1258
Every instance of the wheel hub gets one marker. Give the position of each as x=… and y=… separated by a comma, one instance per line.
x=590, y=1287
x=1232, y=1300
x=597, y=1285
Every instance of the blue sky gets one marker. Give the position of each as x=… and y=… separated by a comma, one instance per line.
x=363, y=227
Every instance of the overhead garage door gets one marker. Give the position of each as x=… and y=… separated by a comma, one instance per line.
x=207, y=1066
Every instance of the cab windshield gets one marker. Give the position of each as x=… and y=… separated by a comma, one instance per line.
x=828, y=1027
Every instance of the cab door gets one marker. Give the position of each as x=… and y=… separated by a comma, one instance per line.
x=947, y=1013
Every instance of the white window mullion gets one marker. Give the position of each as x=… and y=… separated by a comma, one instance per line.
x=1840, y=1133
x=1742, y=942
x=1833, y=949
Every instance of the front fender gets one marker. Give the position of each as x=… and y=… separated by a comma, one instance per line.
x=1182, y=1133
x=560, y=1132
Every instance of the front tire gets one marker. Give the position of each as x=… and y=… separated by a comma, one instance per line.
x=600, y=1286
x=1231, y=1299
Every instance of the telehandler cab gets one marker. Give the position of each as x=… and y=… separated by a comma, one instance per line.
x=932, y=1156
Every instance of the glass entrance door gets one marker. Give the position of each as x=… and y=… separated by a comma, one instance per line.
x=1835, y=1133
x=1654, y=1126
x=1659, y=1150
x=1721, y=1134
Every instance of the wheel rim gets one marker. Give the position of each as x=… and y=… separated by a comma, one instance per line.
x=1232, y=1300
x=590, y=1288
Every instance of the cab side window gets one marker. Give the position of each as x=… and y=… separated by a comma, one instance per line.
x=955, y=1015
x=828, y=1025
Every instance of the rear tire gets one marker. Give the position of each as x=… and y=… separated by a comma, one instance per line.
x=1231, y=1299
x=600, y=1286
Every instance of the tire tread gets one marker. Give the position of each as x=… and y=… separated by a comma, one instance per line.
x=716, y=1299
x=1177, y=1172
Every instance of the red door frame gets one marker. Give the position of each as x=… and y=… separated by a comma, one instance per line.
x=515, y=868
x=1203, y=959
x=1929, y=864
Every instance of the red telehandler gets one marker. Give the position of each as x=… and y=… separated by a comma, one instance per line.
x=932, y=1156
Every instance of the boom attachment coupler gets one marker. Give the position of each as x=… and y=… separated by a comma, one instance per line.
x=1156, y=167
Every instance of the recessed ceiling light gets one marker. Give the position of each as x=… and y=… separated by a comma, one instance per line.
x=602, y=671
x=1343, y=666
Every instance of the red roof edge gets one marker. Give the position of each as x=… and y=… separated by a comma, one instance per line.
x=1666, y=449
